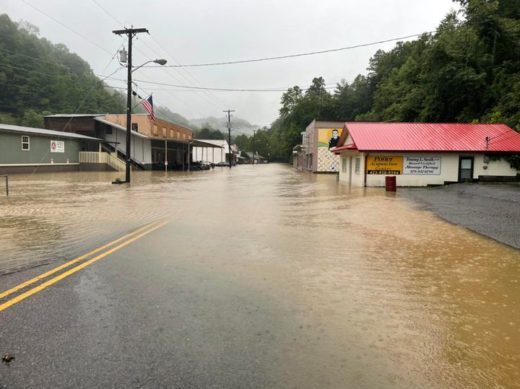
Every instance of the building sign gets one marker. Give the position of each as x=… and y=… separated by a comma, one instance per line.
x=385, y=164
x=57, y=146
x=422, y=166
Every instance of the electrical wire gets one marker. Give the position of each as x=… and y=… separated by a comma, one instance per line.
x=181, y=88
x=111, y=16
x=108, y=13
x=276, y=58
x=219, y=89
x=189, y=76
x=67, y=27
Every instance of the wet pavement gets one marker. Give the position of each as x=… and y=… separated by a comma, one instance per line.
x=491, y=209
x=263, y=277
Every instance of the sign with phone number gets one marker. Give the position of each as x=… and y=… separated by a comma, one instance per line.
x=385, y=164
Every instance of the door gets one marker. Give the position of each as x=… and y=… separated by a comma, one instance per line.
x=350, y=171
x=465, y=169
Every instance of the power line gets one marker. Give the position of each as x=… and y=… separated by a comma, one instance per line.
x=67, y=27
x=209, y=95
x=108, y=13
x=202, y=88
x=180, y=88
x=111, y=16
x=294, y=55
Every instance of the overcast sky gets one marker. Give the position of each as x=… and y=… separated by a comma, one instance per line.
x=201, y=31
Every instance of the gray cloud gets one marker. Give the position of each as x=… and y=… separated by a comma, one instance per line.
x=207, y=31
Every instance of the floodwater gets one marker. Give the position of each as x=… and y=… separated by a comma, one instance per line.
x=379, y=292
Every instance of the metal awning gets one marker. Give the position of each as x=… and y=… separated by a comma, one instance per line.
x=199, y=143
x=192, y=142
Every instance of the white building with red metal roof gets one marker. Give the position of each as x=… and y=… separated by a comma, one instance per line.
x=421, y=154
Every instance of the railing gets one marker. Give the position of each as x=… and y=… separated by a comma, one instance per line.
x=92, y=157
x=95, y=157
x=115, y=162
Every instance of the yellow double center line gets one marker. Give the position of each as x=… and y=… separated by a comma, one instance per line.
x=126, y=240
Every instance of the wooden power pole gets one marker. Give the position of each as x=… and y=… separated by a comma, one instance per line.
x=229, y=132
x=131, y=32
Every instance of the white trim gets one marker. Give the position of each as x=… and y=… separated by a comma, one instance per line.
x=28, y=143
x=38, y=164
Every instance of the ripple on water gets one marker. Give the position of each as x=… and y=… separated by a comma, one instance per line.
x=370, y=284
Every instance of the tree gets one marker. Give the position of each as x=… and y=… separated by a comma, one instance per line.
x=38, y=76
x=209, y=133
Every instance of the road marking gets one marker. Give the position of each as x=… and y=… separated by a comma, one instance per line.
x=147, y=229
x=69, y=263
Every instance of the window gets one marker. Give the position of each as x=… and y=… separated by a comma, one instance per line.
x=155, y=130
x=344, y=165
x=26, y=143
x=135, y=127
x=357, y=168
x=108, y=130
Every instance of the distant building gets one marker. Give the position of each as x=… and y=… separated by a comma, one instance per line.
x=235, y=152
x=216, y=154
x=249, y=157
x=421, y=154
x=155, y=144
x=314, y=153
x=27, y=149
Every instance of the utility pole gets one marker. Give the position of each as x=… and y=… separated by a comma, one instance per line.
x=229, y=132
x=131, y=32
x=253, y=146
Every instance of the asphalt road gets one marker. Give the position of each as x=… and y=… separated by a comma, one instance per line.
x=492, y=210
x=170, y=323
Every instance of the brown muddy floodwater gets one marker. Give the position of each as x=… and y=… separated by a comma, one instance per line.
x=388, y=295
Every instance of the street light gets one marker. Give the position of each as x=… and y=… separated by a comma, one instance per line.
x=161, y=62
x=130, y=33
x=129, y=108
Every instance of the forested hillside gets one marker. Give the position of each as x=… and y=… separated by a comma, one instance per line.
x=468, y=70
x=38, y=77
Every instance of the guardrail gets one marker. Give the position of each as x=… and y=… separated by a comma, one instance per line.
x=6, y=184
x=102, y=157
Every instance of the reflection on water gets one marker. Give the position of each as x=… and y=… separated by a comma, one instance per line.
x=381, y=294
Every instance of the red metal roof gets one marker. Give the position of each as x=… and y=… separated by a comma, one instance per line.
x=431, y=137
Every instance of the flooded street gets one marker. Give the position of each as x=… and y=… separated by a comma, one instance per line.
x=294, y=280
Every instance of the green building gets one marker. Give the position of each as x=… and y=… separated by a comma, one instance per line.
x=27, y=149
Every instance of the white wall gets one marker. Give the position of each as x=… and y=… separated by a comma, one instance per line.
x=449, y=169
x=494, y=168
x=210, y=154
x=449, y=172
x=141, y=148
x=347, y=169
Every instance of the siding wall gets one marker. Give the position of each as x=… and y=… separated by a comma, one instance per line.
x=40, y=150
x=141, y=148
x=210, y=154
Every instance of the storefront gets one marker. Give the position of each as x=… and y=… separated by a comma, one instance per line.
x=421, y=154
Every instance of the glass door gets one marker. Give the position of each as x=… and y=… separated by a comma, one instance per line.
x=465, y=169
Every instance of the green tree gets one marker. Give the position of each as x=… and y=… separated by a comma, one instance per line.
x=38, y=76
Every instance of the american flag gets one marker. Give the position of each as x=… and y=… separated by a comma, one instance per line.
x=148, y=105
